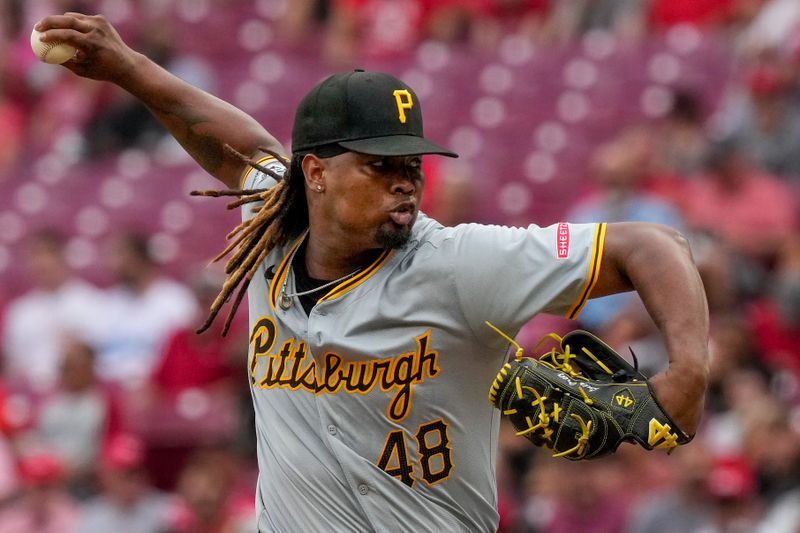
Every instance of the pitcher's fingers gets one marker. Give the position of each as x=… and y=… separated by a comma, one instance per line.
x=68, y=21
x=70, y=36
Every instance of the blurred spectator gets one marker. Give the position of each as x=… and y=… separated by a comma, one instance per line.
x=43, y=506
x=11, y=16
x=621, y=169
x=12, y=129
x=752, y=212
x=622, y=18
x=9, y=483
x=17, y=61
x=121, y=121
x=793, y=67
x=731, y=486
x=208, y=501
x=783, y=513
x=139, y=312
x=769, y=126
x=714, y=494
x=372, y=27
x=783, y=516
x=8, y=464
x=540, y=491
x=726, y=281
x=191, y=360
x=745, y=397
x=491, y=20
x=775, y=318
x=514, y=460
x=190, y=400
x=771, y=27
x=732, y=348
x=680, y=140
x=682, y=507
x=592, y=485
x=304, y=17
x=451, y=20
x=63, y=105
x=772, y=445
x=386, y=28
x=128, y=502
x=78, y=418
x=58, y=306
x=450, y=192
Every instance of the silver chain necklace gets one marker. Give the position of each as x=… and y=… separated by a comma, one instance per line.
x=286, y=299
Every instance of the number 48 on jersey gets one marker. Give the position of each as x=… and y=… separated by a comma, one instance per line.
x=434, y=459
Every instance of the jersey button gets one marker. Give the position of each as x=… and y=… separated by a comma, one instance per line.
x=332, y=429
x=363, y=489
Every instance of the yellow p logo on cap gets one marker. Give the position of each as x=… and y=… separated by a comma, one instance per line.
x=404, y=101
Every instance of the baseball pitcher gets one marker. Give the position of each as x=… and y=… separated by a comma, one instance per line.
x=370, y=355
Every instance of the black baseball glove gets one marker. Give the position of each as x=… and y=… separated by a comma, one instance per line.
x=581, y=400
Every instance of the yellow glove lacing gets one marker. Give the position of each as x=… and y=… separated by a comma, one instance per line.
x=558, y=361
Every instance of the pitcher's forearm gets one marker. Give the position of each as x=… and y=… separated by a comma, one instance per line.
x=202, y=123
x=656, y=261
x=669, y=284
x=199, y=121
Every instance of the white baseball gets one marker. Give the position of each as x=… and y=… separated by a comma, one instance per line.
x=53, y=53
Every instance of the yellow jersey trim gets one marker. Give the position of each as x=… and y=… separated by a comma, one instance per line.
x=283, y=270
x=355, y=281
x=340, y=289
x=594, y=271
x=250, y=170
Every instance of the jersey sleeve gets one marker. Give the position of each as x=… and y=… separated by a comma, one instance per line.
x=253, y=178
x=508, y=275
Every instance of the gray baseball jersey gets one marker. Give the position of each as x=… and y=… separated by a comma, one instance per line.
x=372, y=410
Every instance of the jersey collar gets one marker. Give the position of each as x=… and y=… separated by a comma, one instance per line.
x=338, y=290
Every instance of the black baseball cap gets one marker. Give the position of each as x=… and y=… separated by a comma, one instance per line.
x=368, y=112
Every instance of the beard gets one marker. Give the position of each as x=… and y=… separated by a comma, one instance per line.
x=392, y=236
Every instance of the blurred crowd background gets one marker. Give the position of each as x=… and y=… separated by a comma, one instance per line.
x=114, y=416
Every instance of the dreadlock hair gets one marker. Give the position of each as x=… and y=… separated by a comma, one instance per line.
x=282, y=215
